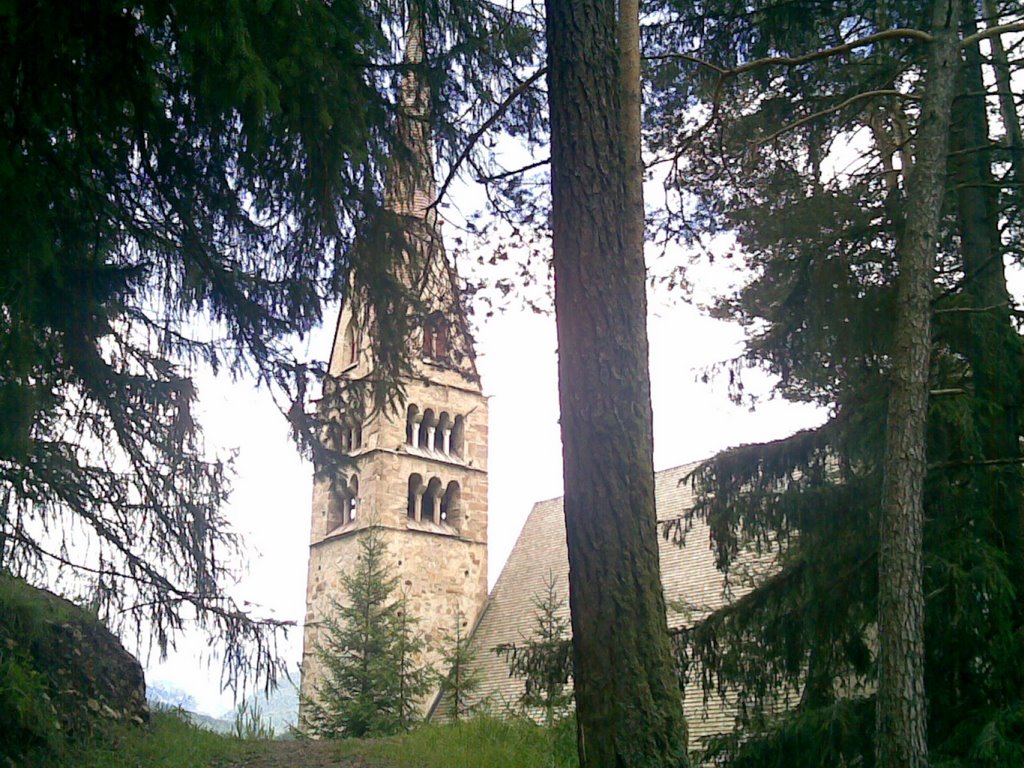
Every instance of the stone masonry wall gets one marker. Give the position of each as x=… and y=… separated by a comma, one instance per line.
x=442, y=577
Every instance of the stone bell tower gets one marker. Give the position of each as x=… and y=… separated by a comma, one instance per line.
x=422, y=473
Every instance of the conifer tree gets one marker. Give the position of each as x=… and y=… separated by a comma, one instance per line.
x=415, y=679
x=462, y=680
x=186, y=184
x=792, y=81
x=544, y=660
x=369, y=649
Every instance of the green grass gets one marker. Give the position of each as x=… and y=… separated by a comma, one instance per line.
x=480, y=743
x=169, y=742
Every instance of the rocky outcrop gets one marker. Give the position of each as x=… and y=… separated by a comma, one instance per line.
x=66, y=671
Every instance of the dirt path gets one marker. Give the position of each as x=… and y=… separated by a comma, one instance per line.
x=304, y=754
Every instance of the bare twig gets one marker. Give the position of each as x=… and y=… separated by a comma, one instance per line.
x=836, y=108
x=518, y=91
x=824, y=53
x=513, y=172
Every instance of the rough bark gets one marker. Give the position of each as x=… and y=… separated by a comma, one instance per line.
x=628, y=704
x=901, y=715
x=994, y=344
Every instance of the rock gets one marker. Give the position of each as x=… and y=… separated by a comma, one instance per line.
x=79, y=673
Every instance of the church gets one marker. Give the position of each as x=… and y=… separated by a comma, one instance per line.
x=421, y=475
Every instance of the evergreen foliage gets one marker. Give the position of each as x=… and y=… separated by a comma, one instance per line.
x=544, y=660
x=372, y=678
x=462, y=679
x=820, y=231
x=187, y=184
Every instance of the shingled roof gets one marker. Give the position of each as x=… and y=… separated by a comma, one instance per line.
x=693, y=588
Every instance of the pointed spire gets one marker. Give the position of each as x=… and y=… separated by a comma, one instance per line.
x=412, y=188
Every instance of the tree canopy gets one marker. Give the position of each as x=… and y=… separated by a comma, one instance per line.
x=809, y=123
x=374, y=681
x=183, y=184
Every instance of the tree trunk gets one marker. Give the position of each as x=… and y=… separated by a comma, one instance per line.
x=628, y=703
x=995, y=345
x=901, y=716
x=1007, y=107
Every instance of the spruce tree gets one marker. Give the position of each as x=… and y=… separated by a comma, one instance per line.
x=189, y=184
x=462, y=680
x=369, y=649
x=415, y=679
x=544, y=660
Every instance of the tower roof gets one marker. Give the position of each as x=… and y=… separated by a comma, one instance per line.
x=411, y=186
x=411, y=192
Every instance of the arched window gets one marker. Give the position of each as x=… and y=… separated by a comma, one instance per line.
x=458, y=437
x=435, y=337
x=353, y=498
x=350, y=350
x=431, y=508
x=415, y=491
x=412, y=425
x=451, y=512
x=443, y=433
x=441, y=339
x=343, y=503
x=350, y=437
x=335, y=508
x=428, y=339
x=426, y=431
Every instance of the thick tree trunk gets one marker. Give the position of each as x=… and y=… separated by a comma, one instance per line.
x=995, y=345
x=901, y=706
x=628, y=704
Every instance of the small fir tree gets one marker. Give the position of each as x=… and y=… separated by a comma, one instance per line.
x=415, y=679
x=369, y=651
x=544, y=662
x=463, y=677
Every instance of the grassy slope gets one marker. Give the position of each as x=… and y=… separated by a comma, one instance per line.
x=479, y=743
x=169, y=742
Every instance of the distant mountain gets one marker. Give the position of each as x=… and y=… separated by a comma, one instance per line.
x=215, y=724
x=169, y=697
x=281, y=708
x=161, y=694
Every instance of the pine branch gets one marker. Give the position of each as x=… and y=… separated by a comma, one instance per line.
x=518, y=91
x=824, y=53
x=976, y=463
x=950, y=310
x=836, y=108
x=984, y=34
